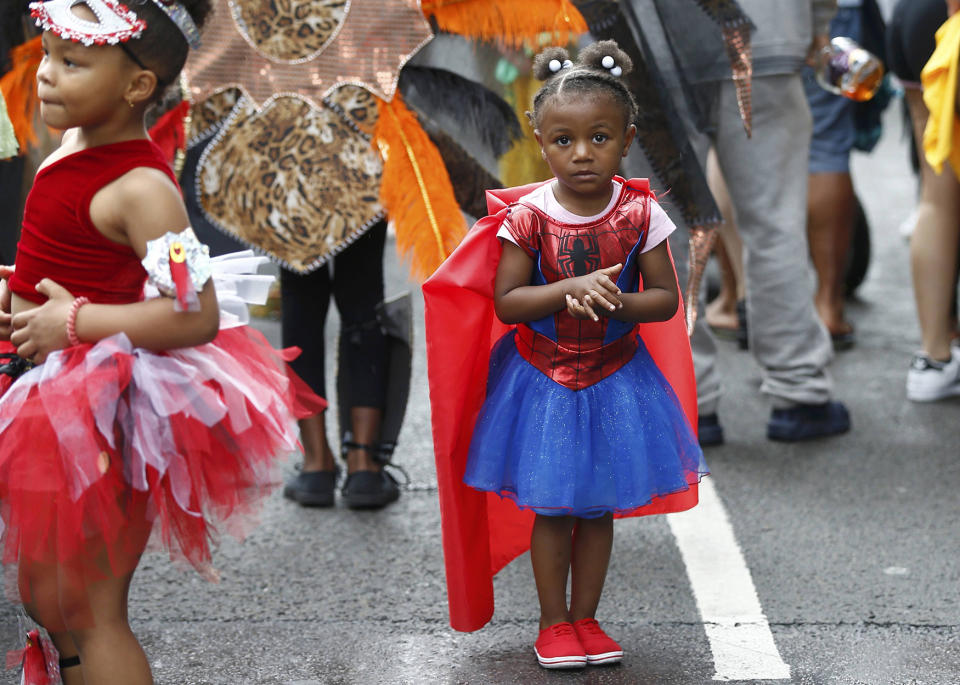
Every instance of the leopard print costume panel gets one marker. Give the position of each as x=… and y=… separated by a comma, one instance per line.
x=294, y=181
x=208, y=115
x=357, y=105
x=289, y=30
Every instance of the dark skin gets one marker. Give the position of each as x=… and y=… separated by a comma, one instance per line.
x=583, y=140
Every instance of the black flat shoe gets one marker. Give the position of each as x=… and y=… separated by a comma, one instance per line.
x=709, y=430
x=843, y=341
x=312, y=488
x=370, y=490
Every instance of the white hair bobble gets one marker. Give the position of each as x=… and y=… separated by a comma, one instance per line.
x=609, y=63
x=556, y=65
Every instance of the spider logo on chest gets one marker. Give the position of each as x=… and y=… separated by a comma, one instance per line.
x=578, y=255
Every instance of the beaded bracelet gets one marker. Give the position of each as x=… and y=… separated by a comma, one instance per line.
x=72, y=319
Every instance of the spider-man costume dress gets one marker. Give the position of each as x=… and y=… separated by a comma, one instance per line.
x=557, y=416
x=106, y=438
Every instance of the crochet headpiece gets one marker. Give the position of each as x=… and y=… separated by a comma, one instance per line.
x=116, y=23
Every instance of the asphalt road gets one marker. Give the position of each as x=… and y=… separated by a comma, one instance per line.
x=851, y=543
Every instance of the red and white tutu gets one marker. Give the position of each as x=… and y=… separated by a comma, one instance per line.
x=102, y=440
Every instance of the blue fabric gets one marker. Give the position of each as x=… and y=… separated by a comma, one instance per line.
x=547, y=325
x=610, y=447
x=834, y=127
x=628, y=281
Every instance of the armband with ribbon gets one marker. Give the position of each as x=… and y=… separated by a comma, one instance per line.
x=178, y=265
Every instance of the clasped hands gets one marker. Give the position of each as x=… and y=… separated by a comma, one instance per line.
x=594, y=293
x=38, y=331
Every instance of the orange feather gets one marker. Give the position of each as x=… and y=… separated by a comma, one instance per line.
x=19, y=87
x=507, y=22
x=415, y=189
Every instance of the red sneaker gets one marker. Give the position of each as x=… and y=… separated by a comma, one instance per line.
x=597, y=644
x=558, y=647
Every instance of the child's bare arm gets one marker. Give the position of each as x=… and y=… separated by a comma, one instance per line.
x=6, y=327
x=145, y=205
x=659, y=299
x=140, y=206
x=516, y=300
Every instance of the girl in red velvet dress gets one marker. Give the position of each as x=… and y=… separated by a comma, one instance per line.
x=122, y=417
x=579, y=422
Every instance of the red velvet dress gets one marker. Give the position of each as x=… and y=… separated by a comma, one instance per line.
x=103, y=442
x=484, y=531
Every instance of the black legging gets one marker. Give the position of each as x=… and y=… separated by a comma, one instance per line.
x=357, y=288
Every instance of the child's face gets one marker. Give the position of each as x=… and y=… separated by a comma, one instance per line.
x=583, y=140
x=79, y=85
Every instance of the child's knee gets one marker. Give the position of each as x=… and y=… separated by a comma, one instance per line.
x=75, y=610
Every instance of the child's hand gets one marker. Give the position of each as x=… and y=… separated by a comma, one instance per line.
x=39, y=331
x=6, y=328
x=578, y=310
x=596, y=290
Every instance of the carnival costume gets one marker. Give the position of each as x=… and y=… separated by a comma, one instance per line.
x=555, y=416
x=105, y=437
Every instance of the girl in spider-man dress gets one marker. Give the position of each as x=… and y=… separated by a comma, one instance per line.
x=579, y=422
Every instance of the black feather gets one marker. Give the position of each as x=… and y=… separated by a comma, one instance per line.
x=470, y=180
x=480, y=109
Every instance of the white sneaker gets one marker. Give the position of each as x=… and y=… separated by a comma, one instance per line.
x=929, y=380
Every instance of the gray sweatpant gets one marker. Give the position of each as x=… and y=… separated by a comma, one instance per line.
x=767, y=177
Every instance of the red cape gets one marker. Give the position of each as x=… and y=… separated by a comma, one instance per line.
x=483, y=532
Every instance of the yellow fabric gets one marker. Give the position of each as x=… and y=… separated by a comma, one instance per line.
x=941, y=138
x=8, y=141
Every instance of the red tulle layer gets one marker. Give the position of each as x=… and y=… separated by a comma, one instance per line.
x=102, y=445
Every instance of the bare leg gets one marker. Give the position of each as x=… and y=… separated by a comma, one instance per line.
x=722, y=312
x=109, y=651
x=38, y=590
x=592, y=543
x=830, y=212
x=90, y=619
x=317, y=455
x=933, y=247
x=72, y=675
x=550, y=551
x=365, y=422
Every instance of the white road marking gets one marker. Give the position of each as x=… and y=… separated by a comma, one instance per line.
x=739, y=635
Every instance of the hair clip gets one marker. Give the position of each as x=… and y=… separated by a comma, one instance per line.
x=609, y=63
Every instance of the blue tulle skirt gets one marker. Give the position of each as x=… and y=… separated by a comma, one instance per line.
x=611, y=447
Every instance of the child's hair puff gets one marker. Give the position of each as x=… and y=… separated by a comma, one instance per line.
x=594, y=54
x=162, y=47
x=599, y=68
x=541, y=63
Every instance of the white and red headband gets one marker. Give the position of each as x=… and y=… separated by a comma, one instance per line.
x=116, y=23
